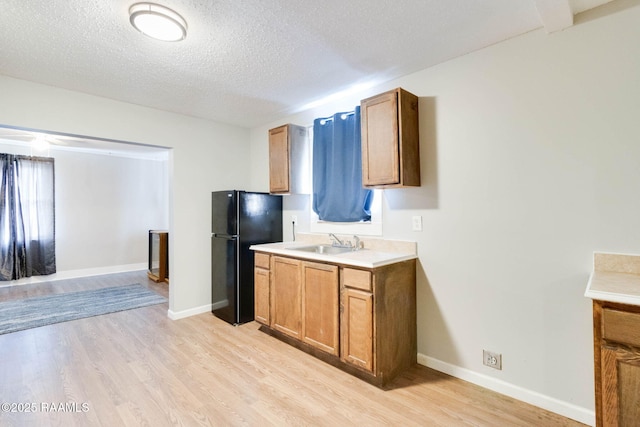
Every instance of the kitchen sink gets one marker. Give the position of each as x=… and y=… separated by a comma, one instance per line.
x=322, y=249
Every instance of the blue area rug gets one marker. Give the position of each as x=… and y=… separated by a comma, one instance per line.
x=34, y=312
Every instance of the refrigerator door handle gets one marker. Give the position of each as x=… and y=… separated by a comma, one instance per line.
x=224, y=236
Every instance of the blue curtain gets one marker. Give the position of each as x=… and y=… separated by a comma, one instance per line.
x=338, y=195
x=27, y=220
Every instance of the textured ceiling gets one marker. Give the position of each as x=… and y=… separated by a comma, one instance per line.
x=250, y=62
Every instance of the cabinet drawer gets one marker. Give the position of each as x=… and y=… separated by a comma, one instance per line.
x=262, y=260
x=621, y=326
x=358, y=279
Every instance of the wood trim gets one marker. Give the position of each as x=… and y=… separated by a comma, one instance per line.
x=597, y=359
x=409, y=137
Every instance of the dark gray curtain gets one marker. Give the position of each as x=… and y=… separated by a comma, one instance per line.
x=27, y=217
x=338, y=194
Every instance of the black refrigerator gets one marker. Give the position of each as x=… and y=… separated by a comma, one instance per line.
x=239, y=219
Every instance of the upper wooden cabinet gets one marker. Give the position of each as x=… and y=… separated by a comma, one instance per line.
x=289, y=160
x=390, y=140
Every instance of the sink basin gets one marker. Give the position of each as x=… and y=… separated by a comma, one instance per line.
x=322, y=249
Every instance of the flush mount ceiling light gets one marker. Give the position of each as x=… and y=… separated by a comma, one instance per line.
x=40, y=142
x=158, y=22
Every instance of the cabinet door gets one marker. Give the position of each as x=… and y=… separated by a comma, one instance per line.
x=279, y=159
x=286, y=296
x=380, y=140
x=320, y=306
x=261, y=289
x=620, y=386
x=357, y=328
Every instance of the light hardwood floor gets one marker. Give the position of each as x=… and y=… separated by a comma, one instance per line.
x=139, y=368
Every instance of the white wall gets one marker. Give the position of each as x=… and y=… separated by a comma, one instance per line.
x=206, y=156
x=105, y=204
x=530, y=162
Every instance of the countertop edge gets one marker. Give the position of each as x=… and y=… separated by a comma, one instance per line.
x=342, y=259
x=610, y=296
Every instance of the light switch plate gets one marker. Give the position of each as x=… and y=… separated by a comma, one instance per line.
x=417, y=223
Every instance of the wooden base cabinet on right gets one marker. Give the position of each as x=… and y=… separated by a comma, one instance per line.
x=617, y=363
x=378, y=319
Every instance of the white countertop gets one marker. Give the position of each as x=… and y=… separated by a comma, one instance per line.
x=614, y=287
x=615, y=278
x=367, y=258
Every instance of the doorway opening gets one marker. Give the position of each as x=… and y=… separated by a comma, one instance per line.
x=108, y=195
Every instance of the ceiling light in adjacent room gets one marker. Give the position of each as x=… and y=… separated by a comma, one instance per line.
x=40, y=143
x=158, y=22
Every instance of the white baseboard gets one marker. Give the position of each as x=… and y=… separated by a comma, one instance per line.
x=75, y=274
x=219, y=304
x=565, y=409
x=176, y=315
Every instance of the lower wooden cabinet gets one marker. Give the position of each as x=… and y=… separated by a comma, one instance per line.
x=261, y=295
x=617, y=363
x=361, y=320
x=262, y=279
x=319, y=306
x=620, y=386
x=378, y=324
x=286, y=296
x=357, y=328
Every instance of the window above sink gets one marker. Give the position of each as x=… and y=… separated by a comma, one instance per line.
x=369, y=228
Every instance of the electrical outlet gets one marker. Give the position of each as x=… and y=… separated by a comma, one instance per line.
x=417, y=223
x=294, y=219
x=492, y=360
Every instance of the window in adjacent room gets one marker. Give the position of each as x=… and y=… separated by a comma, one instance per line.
x=27, y=217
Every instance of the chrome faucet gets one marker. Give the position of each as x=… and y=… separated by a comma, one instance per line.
x=338, y=241
x=345, y=244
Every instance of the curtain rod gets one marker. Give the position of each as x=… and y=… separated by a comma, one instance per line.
x=342, y=116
